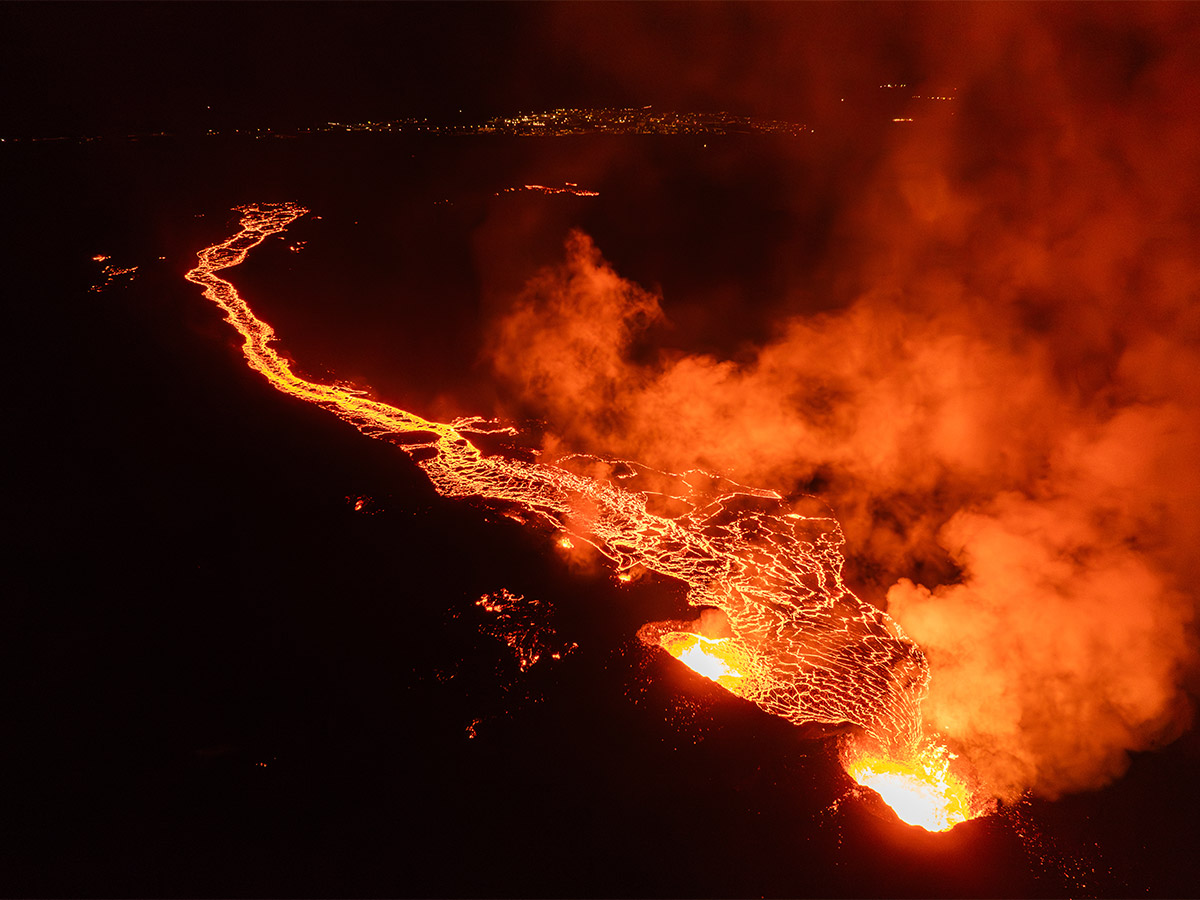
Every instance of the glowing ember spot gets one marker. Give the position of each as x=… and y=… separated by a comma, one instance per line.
x=110, y=274
x=714, y=658
x=920, y=789
x=801, y=645
x=363, y=504
x=569, y=187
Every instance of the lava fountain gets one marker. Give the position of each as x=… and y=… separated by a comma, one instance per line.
x=713, y=658
x=920, y=788
x=799, y=643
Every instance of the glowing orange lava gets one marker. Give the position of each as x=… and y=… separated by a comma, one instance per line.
x=714, y=658
x=920, y=788
x=801, y=645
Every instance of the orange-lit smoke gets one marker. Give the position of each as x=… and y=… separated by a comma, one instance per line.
x=1002, y=410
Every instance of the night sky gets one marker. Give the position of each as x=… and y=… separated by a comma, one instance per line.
x=973, y=335
x=80, y=68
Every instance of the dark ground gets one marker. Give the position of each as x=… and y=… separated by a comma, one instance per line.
x=221, y=680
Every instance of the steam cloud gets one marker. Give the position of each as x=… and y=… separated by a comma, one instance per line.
x=1002, y=409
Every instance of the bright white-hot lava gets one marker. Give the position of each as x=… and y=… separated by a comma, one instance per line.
x=713, y=658
x=800, y=644
x=920, y=788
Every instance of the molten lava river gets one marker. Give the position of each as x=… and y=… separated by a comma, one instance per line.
x=793, y=639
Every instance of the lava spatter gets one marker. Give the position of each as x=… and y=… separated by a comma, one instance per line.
x=517, y=621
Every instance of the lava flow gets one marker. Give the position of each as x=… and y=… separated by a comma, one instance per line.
x=799, y=643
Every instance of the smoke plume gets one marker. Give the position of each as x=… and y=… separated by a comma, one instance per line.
x=1000, y=401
